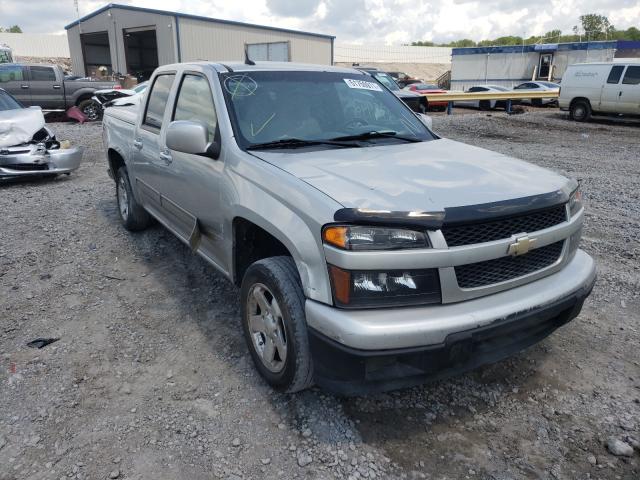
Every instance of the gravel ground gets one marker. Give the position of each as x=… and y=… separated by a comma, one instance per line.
x=151, y=378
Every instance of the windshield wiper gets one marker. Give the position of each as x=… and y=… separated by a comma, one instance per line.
x=377, y=134
x=297, y=143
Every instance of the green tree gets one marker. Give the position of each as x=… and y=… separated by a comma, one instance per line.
x=595, y=26
x=553, y=35
x=13, y=29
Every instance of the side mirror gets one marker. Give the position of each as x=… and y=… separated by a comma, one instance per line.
x=191, y=137
x=426, y=119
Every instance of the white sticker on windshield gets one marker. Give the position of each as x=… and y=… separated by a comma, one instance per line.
x=362, y=85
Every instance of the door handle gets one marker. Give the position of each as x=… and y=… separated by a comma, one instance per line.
x=166, y=157
x=619, y=94
x=24, y=86
x=137, y=144
x=56, y=87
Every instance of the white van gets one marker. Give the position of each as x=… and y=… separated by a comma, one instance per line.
x=600, y=88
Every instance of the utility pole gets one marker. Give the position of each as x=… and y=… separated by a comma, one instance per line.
x=75, y=4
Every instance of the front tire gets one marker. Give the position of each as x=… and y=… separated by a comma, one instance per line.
x=274, y=324
x=580, y=111
x=132, y=215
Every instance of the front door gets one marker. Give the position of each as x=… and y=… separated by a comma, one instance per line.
x=195, y=179
x=629, y=101
x=544, y=68
x=46, y=90
x=13, y=78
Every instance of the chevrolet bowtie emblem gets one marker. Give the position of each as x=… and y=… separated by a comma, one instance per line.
x=521, y=246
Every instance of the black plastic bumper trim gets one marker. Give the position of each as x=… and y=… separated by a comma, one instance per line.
x=348, y=371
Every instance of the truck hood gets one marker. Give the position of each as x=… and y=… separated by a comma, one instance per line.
x=425, y=176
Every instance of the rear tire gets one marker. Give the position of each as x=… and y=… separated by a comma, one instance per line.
x=580, y=111
x=274, y=324
x=132, y=215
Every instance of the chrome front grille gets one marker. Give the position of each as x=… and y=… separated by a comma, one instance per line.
x=490, y=272
x=458, y=235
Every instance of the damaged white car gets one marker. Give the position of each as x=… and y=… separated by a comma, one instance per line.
x=28, y=147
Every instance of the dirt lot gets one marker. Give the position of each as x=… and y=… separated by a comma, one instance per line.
x=151, y=378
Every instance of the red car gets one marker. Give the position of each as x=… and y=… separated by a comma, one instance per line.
x=425, y=88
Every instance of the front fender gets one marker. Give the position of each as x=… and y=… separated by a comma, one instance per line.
x=290, y=210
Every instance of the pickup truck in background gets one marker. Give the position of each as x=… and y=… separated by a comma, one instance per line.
x=370, y=253
x=44, y=86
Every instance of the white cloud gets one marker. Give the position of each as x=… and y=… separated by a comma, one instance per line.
x=358, y=21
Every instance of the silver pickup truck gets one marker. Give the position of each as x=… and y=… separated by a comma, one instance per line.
x=370, y=253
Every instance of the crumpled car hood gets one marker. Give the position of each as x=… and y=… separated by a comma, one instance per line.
x=19, y=126
x=425, y=176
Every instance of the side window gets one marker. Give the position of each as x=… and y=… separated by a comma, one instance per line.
x=615, y=74
x=195, y=102
x=43, y=74
x=631, y=76
x=157, y=102
x=474, y=89
x=10, y=73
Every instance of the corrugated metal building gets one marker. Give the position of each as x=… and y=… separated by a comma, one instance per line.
x=135, y=40
x=510, y=65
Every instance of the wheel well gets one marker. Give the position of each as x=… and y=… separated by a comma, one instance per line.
x=578, y=99
x=83, y=97
x=250, y=244
x=115, y=161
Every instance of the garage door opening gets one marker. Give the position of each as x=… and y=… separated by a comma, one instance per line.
x=96, y=54
x=141, y=49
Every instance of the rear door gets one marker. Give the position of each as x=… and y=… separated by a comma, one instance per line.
x=611, y=90
x=629, y=100
x=46, y=88
x=13, y=79
x=151, y=166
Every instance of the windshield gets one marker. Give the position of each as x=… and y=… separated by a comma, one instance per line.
x=7, y=102
x=271, y=106
x=386, y=80
x=141, y=87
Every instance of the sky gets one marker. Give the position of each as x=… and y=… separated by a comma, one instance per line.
x=391, y=22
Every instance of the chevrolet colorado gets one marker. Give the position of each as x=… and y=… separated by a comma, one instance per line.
x=370, y=253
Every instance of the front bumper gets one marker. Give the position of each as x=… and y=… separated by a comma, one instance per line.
x=38, y=162
x=374, y=350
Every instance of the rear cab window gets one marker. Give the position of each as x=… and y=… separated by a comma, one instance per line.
x=615, y=74
x=42, y=74
x=157, y=101
x=631, y=76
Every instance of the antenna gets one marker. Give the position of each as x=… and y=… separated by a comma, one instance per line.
x=247, y=60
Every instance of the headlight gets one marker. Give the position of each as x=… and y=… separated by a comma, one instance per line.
x=356, y=237
x=371, y=288
x=575, y=201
